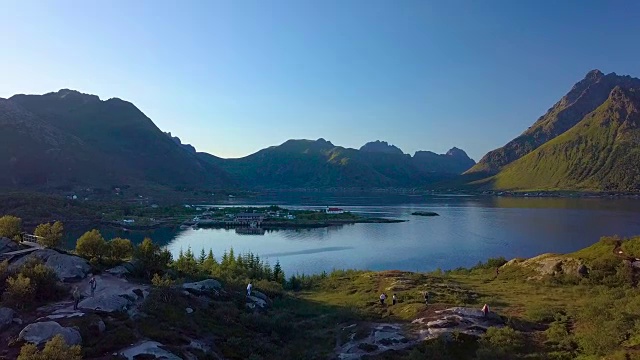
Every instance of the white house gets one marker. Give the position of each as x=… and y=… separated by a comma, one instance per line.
x=334, y=210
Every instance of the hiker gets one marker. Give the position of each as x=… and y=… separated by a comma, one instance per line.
x=497, y=271
x=426, y=298
x=249, y=287
x=93, y=285
x=395, y=299
x=485, y=310
x=383, y=297
x=76, y=297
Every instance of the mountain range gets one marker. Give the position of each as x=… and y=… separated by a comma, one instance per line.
x=68, y=139
x=589, y=140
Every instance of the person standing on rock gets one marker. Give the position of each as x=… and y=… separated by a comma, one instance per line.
x=93, y=285
x=485, y=310
x=76, y=297
x=383, y=297
x=394, y=299
x=426, y=298
x=249, y=287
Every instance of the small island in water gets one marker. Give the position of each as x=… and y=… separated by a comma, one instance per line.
x=425, y=213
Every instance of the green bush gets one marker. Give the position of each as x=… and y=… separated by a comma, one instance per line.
x=491, y=263
x=10, y=227
x=43, y=279
x=152, y=259
x=500, y=343
x=54, y=349
x=19, y=291
x=631, y=247
x=120, y=249
x=92, y=245
x=50, y=235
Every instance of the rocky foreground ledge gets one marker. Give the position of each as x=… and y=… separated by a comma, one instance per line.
x=115, y=298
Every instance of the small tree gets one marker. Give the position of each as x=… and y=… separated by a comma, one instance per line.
x=19, y=292
x=91, y=245
x=120, y=249
x=55, y=349
x=50, y=235
x=152, y=258
x=10, y=227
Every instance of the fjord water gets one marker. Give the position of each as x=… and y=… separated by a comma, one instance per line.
x=469, y=229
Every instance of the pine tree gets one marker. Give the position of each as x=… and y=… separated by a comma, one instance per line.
x=203, y=257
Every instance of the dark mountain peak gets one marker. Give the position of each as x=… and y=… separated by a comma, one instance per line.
x=594, y=74
x=322, y=141
x=381, y=147
x=73, y=95
x=177, y=140
x=456, y=152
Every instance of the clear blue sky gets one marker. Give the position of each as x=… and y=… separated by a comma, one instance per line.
x=232, y=77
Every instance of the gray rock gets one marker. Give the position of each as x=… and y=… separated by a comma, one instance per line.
x=583, y=271
x=204, y=286
x=260, y=295
x=6, y=317
x=148, y=348
x=256, y=302
x=106, y=303
x=188, y=310
x=41, y=332
x=66, y=267
x=8, y=245
x=17, y=321
x=119, y=271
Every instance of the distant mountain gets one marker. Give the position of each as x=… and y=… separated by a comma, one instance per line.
x=319, y=163
x=455, y=161
x=68, y=139
x=585, y=96
x=600, y=152
x=381, y=147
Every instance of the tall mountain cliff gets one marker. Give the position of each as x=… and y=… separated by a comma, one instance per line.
x=600, y=152
x=585, y=96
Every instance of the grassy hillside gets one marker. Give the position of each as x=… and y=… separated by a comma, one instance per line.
x=601, y=152
x=583, y=98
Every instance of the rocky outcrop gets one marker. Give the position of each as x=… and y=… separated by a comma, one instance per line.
x=8, y=245
x=113, y=294
x=148, y=348
x=379, y=338
x=203, y=287
x=106, y=303
x=123, y=270
x=551, y=264
x=41, y=332
x=6, y=317
x=67, y=267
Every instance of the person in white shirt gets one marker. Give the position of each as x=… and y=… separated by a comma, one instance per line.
x=383, y=297
x=395, y=299
x=249, y=287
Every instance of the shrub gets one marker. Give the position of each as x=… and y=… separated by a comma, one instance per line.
x=491, y=263
x=50, y=235
x=631, y=247
x=43, y=279
x=91, y=245
x=269, y=288
x=10, y=227
x=55, y=349
x=120, y=249
x=500, y=343
x=19, y=291
x=152, y=258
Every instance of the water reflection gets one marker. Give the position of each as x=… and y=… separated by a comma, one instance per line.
x=468, y=230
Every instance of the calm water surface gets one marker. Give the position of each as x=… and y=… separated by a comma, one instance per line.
x=468, y=230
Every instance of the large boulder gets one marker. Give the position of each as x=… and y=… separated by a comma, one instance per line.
x=204, y=286
x=67, y=267
x=149, y=348
x=6, y=317
x=106, y=303
x=42, y=332
x=8, y=245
